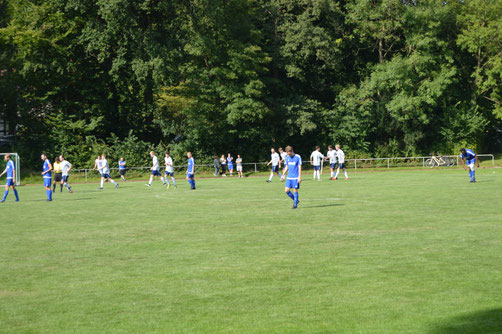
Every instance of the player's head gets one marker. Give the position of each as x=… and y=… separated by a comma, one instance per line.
x=121, y=158
x=463, y=151
x=317, y=148
x=223, y=156
x=330, y=147
x=272, y=150
x=189, y=155
x=289, y=151
x=56, y=159
x=238, y=155
x=167, y=154
x=281, y=150
x=229, y=155
x=98, y=157
x=103, y=156
x=337, y=147
x=6, y=157
x=61, y=158
x=43, y=156
x=152, y=154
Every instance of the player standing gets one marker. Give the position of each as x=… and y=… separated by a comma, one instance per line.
x=276, y=164
x=10, y=169
x=341, y=162
x=105, y=172
x=169, y=170
x=283, y=156
x=315, y=160
x=331, y=155
x=230, y=164
x=122, y=168
x=58, y=175
x=155, y=170
x=469, y=158
x=294, y=170
x=65, y=169
x=47, y=175
x=239, y=165
x=191, y=171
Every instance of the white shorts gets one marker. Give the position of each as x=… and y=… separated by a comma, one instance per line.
x=471, y=166
x=239, y=168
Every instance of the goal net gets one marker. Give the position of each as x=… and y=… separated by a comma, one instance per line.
x=15, y=158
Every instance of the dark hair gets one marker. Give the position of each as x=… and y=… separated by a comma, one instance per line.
x=462, y=150
x=317, y=147
x=330, y=146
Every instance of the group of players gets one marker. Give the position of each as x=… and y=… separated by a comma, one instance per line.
x=292, y=168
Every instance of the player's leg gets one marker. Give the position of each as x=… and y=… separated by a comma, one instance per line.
x=150, y=181
x=113, y=181
x=345, y=172
x=472, y=172
x=65, y=182
x=173, y=179
x=6, y=191
x=48, y=190
x=288, y=192
x=271, y=175
x=337, y=172
x=54, y=184
x=296, y=196
x=15, y=191
x=102, y=182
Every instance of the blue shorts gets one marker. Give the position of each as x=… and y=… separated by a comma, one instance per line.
x=65, y=178
x=275, y=169
x=292, y=184
x=190, y=175
x=333, y=166
x=10, y=182
x=170, y=174
x=317, y=167
x=341, y=166
x=156, y=173
x=230, y=167
x=470, y=162
x=106, y=176
x=47, y=182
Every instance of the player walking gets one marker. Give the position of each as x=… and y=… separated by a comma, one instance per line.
x=168, y=161
x=47, y=175
x=155, y=170
x=230, y=164
x=122, y=168
x=97, y=165
x=341, y=162
x=469, y=158
x=239, y=165
x=294, y=170
x=105, y=172
x=58, y=175
x=315, y=160
x=65, y=169
x=10, y=170
x=191, y=171
x=276, y=164
x=331, y=155
x=283, y=156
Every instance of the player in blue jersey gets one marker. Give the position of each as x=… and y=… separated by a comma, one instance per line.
x=469, y=158
x=122, y=168
x=230, y=164
x=10, y=170
x=294, y=178
x=191, y=171
x=47, y=175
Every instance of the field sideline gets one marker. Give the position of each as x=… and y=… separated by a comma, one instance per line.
x=389, y=252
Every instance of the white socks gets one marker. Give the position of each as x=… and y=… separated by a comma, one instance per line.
x=102, y=181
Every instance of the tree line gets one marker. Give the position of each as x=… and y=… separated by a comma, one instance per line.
x=380, y=77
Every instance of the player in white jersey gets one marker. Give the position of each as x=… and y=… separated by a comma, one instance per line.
x=331, y=155
x=168, y=162
x=276, y=164
x=315, y=159
x=97, y=165
x=284, y=156
x=105, y=172
x=341, y=162
x=155, y=170
x=65, y=172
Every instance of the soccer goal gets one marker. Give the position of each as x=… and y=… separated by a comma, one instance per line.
x=15, y=159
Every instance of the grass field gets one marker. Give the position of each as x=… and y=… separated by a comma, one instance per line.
x=385, y=252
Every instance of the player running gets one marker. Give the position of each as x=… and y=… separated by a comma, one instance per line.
x=58, y=175
x=469, y=158
x=294, y=170
x=47, y=175
x=191, y=171
x=239, y=165
x=105, y=173
x=155, y=170
x=341, y=162
x=97, y=165
x=65, y=169
x=315, y=160
x=331, y=155
x=10, y=170
x=122, y=168
x=168, y=161
x=276, y=164
x=230, y=164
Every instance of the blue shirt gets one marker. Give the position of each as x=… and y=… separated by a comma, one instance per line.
x=191, y=166
x=122, y=164
x=230, y=161
x=469, y=155
x=46, y=168
x=10, y=169
x=294, y=164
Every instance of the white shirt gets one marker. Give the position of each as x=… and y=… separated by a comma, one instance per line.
x=105, y=170
x=284, y=155
x=169, y=165
x=155, y=163
x=275, y=159
x=98, y=164
x=341, y=156
x=332, y=156
x=65, y=165
x=316, y=157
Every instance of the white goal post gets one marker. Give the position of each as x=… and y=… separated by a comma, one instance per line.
x=15, y=158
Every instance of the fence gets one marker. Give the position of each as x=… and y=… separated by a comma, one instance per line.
x=255, y=167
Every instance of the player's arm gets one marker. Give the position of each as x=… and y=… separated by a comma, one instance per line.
x=70, y=166
x=299, y=173
x=477, y=161
x=5, y=171
x=269, y=162
x=284, y=172
x=48, y=170
x=463, y=163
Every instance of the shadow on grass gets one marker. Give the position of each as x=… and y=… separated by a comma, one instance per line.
x=321, y=206
x=489, y=321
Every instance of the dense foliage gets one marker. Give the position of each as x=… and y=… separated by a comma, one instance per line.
x=381, y=77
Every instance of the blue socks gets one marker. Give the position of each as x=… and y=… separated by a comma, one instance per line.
x=15, y=193
x=192, y=183
x=5, y=195
x=290, y=194
x=296, y=198
x=49, y=194
x=174, y=181
x=472, y=175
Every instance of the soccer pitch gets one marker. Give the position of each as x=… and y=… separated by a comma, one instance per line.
x=385, y=252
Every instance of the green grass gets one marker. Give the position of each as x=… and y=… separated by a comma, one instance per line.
x=386, y=252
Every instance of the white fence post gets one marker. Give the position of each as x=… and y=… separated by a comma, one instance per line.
x=388, y=162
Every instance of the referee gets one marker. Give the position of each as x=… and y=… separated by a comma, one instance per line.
x=58, y=175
